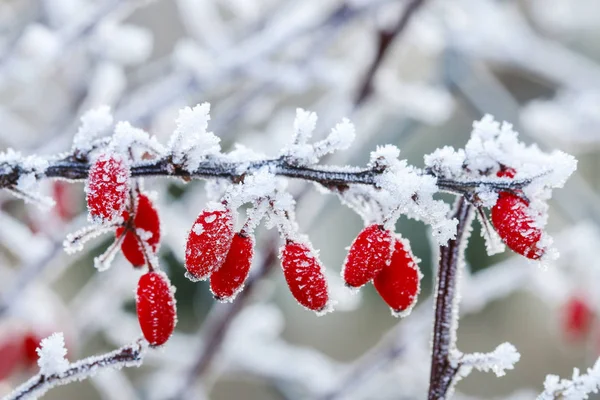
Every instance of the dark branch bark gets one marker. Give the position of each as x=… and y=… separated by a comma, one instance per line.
x=384, y=40
x=446, y=309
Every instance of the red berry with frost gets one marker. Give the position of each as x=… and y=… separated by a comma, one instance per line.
x=368, y=255
x=209, y=241
x=578, y=317
x=107, y=188
x=31, y=342
x=512, y=219
x=156, y=307
x=304, y=276
x=229, y=279
x=398, y=283
x=146, y=218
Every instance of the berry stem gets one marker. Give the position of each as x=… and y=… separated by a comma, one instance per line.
x=446, y=305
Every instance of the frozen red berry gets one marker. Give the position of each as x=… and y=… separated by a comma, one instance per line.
x=304, y=276
x=156, y=307
x=209, y=241
x=398, y=283
x=578, y=317
x=512, y=219
x=31, y=342
x=146, y=218
x=229, y=279
x=368, y=254
x=107, y=188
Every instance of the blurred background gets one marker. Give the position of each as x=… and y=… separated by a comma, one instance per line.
x=413, y=73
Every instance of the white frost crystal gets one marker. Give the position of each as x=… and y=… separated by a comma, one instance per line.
x=52, y=354
x=578, y=388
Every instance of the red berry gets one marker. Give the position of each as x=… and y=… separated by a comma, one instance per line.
x=209, y=241
x=11, y=355
x=578, y=317
x=506, y=172
x=368, y=254
x=146, y=218
x=229, y=279
x=107, y=188
x=515, y=225
x=156, y=307
x=399, y=282
x=31, y=342
x=304, y=276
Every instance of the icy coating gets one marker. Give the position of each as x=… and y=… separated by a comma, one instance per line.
x=209, y=241
x=578, y=387
x=503, y=358
x=52, y=354
x=155, y=304
x=305, y=277
x=399, y=282
x=369, y=253
x=228, y=281
x=107, y=188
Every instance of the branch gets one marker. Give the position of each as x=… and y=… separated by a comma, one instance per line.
x=384, y=39
x=72, y=168
x=130, y=355
x=443, y=370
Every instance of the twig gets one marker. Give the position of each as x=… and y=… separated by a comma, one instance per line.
x=221, y=318
x=446, y=307
x=384, y=39
x=130, y=355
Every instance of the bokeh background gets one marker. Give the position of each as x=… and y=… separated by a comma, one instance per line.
x=414, y=73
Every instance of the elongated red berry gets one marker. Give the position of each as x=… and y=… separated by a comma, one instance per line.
x=578, y=317
x=398, y=283
x=107, y=188
x=156, y=307
x=304, y=275
x=368, y=254
x=209, y=241
x=11, y=355
x=146, y=218
x=515, y=226
x=228, y=280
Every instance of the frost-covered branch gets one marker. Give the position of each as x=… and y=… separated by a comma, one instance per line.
x=55, y=370
x=504, y=357
x=443, y=369
x=578, y=387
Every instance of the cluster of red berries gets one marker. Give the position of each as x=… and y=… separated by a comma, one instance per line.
x=216, y=252
x=512, y=218
x=380, y=256
x=109, y=196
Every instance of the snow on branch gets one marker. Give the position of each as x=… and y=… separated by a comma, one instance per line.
x=577, y=388
x=55, y=369
x=503, y=358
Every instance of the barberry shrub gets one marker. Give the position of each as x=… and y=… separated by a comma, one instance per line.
x=223, y=250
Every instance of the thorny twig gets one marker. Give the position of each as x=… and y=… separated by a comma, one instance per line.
x=446, y=313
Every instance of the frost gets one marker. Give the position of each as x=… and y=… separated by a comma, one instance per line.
x=52, y=354
x=129, y=138
x=27, y=169
x=304, y=126
x=503, y=358
x=190, y=144
x=577, y=388
x=93, y=123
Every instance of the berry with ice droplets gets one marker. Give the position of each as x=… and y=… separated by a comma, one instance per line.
x=578, y=317
x=398, y=283
x=209, y=241
x=107, y=188
x=514, y=224
x=146, y=218
x=368, y=255
x=229, y=279
x=304, y=276
x=506, y=172
x=155, y=306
